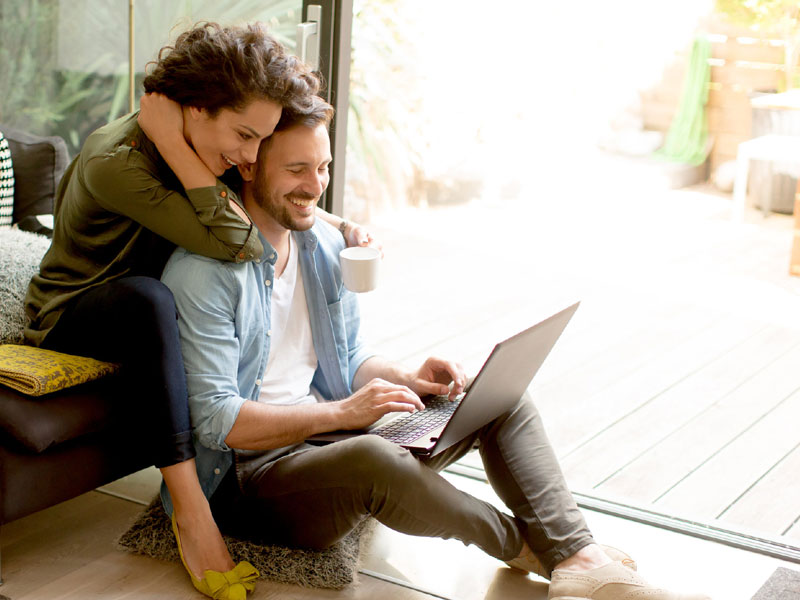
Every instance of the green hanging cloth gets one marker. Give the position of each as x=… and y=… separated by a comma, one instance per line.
x=688, y=133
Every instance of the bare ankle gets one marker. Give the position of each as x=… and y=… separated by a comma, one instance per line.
x=525, y=551
x=587, y=558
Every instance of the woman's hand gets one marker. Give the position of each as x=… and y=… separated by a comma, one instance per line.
x=357, y=235
x=161, y=119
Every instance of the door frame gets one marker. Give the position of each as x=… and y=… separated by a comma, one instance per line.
x=334, y=56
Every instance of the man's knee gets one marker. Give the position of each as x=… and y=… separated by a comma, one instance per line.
x=527, y=406
x=373, y=459
x=522, y=418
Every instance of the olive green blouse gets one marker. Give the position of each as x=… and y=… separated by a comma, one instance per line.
x=120, y=211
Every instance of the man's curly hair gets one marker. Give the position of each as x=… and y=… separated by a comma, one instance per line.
x=215, y=67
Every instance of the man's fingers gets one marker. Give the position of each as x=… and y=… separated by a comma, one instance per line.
x=456, y=372
x=384, y=392
x=398, y=407
x=431, y=387
x=406, y=396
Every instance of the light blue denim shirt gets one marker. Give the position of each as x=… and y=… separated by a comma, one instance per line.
x=224, y=313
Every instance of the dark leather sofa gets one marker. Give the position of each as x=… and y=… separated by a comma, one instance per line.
x=61, y=445
x=58, y=446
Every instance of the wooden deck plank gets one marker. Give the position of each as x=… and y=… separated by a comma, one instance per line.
x=472, y=345
x=601, y=431
x=618, y=356
x=653, y=392
x=468, y=333
x=596, y=331
x=652, y=473
x=461, y=332
x=725, y=366
x=711, y=488
x=777, y=512
x=793, y=535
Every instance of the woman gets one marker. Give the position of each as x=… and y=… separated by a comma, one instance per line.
x=141, y=185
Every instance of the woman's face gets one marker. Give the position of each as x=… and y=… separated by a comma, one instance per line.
x=231, y=137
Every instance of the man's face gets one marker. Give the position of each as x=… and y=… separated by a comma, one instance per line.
x=292, y=174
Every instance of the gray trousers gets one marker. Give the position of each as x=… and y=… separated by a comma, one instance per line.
x=314, y=496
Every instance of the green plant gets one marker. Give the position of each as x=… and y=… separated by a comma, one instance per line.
x=48, y=94
x=384, y=137
x=43, y=96
x=780, y=18
x=27, y=54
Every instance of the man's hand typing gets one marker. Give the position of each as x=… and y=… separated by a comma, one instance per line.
x=372, y=401
x=435, y=376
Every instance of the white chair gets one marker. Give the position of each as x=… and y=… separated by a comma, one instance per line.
x=775, y=148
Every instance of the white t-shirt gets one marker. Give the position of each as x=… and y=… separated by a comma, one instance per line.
x=292, y=359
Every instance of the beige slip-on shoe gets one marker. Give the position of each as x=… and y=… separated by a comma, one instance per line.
x=610, y=582
x=531, y=564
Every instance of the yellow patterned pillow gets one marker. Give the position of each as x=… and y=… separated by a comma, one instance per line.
x=36, y=371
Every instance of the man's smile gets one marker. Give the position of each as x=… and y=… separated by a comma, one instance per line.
x=301, y=202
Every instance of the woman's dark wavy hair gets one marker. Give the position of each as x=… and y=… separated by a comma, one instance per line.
x=215, y=67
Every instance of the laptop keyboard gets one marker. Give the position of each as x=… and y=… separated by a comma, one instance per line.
x=411, y=427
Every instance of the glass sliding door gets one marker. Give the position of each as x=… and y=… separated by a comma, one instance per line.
x=63, y=66
x=334, y=42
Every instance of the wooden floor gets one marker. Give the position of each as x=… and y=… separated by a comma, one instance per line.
x=67, y=552
x=676, y=385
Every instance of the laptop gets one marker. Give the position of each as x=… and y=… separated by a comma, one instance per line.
x=496, y=389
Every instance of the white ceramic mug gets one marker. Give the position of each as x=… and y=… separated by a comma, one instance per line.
x=360, y=268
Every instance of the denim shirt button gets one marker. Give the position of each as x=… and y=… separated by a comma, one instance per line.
x=269, y=332
x=267, y=282
x=216, y=471
x=258, y=382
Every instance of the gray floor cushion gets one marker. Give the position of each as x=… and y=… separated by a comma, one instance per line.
x=784, y=584
x=334, y=568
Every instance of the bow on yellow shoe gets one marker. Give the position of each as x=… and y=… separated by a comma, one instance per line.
x=230, y=585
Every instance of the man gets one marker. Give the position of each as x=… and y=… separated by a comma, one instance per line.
x=273, y=355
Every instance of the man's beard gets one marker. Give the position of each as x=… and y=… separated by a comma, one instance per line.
x=274, y=206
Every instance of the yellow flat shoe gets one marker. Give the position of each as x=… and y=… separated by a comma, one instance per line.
x=230, y=585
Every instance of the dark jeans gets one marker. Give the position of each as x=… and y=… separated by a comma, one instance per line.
x=133, y=322
x=313, y=497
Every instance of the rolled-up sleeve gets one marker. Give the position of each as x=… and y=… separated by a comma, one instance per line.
x=206, y=295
